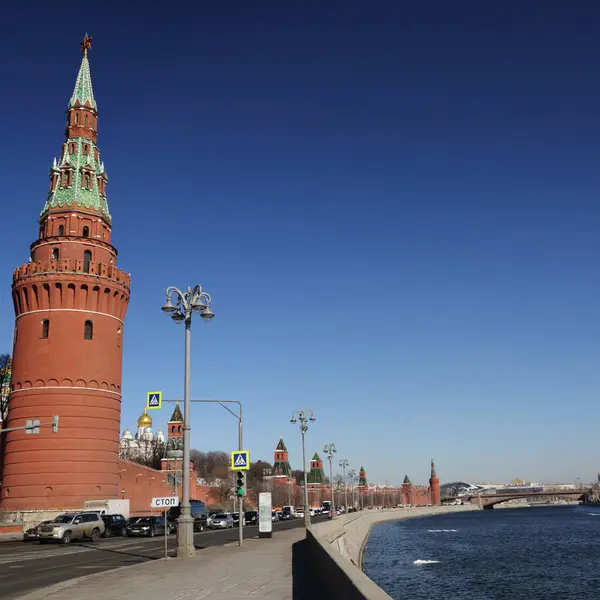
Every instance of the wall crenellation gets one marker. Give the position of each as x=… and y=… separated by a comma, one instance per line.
x=67, y=265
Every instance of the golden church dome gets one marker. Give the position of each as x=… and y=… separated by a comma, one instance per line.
x=145, y=420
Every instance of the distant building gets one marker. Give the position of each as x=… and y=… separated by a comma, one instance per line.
x=142, y=445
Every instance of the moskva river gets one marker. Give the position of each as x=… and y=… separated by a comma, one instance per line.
x=542, y=553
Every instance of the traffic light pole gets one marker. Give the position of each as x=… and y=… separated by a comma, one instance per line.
x=240, y=447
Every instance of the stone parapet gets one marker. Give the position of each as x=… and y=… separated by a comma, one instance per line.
x=336, y=548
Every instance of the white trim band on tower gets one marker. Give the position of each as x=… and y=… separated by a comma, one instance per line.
x=67, y=387
x=110, y=249
x=91, y=312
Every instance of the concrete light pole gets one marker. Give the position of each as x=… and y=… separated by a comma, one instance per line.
x=300, y=416
x=344, y=463
x=330, y=450
x=181, y=312
x=352, y=476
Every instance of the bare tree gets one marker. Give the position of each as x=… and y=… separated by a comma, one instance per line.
x=5, y=372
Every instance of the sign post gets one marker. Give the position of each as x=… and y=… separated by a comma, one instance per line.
x=265, y=512
x=240, y=462
x=165, y=504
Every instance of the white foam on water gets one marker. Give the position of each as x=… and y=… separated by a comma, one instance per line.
x=425, y=562
x=442, y=530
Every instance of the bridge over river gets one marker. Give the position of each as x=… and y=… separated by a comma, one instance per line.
x=488, y=501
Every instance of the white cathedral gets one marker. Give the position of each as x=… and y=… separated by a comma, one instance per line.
x=144, y=441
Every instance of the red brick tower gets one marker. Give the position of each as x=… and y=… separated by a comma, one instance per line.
x=407, y=491
x=173, y=460
x=281, y=462
x=70, y=302
x=434, y=485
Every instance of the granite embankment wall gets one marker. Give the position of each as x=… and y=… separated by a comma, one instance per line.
x=335, y=549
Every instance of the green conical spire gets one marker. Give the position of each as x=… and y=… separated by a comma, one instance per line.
x=79, y=155
x=83, y=91
x=176, y=417
x=407, y=480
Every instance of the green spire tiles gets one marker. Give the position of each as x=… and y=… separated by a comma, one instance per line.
x=80, y=157
x=75, y=194
x=83, y=86
x=407, y=480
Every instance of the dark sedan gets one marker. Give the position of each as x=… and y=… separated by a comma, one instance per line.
x=32, y=533
x=114, y=525
x=146, y=526
x=251, y=517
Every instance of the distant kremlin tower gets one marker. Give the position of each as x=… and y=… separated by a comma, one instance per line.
x=70, y=301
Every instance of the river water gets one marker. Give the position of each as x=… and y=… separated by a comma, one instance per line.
x=542, y=553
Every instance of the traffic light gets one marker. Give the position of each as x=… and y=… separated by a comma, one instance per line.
x=240, y=483
x=55, y=424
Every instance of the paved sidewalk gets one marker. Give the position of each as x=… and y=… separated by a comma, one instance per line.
x=11, y=537
x=262, y=568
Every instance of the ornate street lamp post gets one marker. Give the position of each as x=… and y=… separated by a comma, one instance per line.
x=301, y=418
x=330, y=450
x=181, y=312
x=344, y=463
x=352, y=476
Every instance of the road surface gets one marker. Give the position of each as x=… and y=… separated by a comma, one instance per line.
x=27, y=566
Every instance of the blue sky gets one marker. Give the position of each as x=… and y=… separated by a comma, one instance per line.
x=394, y=208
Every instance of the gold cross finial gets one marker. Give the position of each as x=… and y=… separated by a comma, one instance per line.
x=85, y=44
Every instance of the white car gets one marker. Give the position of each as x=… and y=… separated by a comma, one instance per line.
x=299, y=513
x=221, y=521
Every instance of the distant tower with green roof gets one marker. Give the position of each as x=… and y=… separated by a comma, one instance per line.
x=281, y=463
x=316, y=475
x=434, y=486
x=407, y=491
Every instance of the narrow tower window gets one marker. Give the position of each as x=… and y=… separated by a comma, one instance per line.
x=87, y=181
x=87, y=256
x=85, y=120
x=88, y=330
x=86, y=232
x=45, y=328
x=76, y=118
x=61, y=230
x=55, y=253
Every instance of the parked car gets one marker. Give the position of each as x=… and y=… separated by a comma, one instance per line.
x=274, y=516
x=286, y=514
x=236, y=519
x=299, y=513
x=221, y=521
x=198, y=509
x=114, y=525
x=69, y=527
x=251, y=517
x=147, y=526
x=33, y=532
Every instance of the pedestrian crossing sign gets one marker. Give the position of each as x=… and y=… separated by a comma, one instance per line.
x=240, y=460
x=154, y=400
